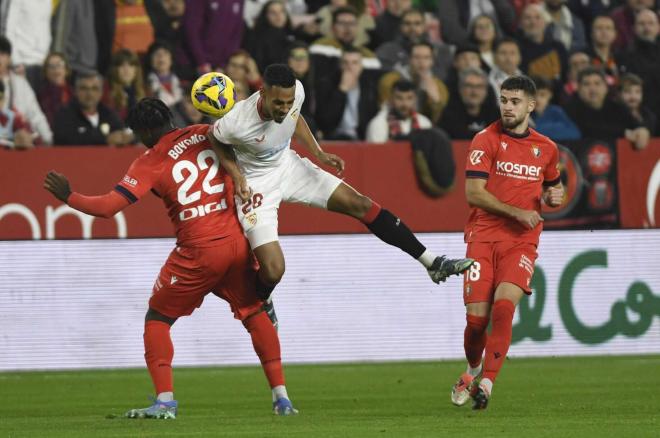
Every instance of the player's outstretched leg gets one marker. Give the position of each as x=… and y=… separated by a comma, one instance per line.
x=266, y=344
x=392, y=230
x=497, y=347
x=158, y=353
x=474, y=342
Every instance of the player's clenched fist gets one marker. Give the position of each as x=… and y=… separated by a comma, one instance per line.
x=554, y=196
x=58, y=185
x=242, y=189
x=529, y=218
x=332, y=160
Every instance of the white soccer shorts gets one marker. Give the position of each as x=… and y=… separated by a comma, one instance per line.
x=295, y=180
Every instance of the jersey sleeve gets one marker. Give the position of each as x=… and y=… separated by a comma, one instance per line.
x=551, y=175
x=223, y=130
x=141, y=177
x=480, y=157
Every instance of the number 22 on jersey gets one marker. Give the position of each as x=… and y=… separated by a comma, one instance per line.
x=193, y=170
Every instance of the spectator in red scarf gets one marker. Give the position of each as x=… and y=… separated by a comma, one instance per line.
x=399, y=117
x=164, y=84
x=55, y=92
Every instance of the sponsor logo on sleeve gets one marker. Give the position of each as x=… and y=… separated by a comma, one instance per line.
x=475, y=157
x=130, y=181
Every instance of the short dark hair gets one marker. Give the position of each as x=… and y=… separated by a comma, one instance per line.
x=422, y=43
x=590, y=71
x=542, y=83
x=413, y=11
x=279, y=75
x=520, y=82
x=149, y=113
x=87, y=74
x=350, y=49
x=343, y=10
x=505, y=40
x=5, y=45
x=403, y=85
x=628, y=80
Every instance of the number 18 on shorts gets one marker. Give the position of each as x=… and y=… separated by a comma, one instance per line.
x=495, y=263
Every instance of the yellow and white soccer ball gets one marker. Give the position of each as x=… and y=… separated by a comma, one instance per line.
x=213, y=94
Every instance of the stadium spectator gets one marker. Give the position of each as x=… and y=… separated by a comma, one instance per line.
x=365, y=22
x=473, y=110
x=75, y=35
x=271, y=36
x=26, y=23
x=564, y=26
x=133, y=29
x=166, y=17
x=467, y=56
x=326, y=52
x=456, y=14
x=483, y=33
x=243, y=70
x=398, y=117
x=125, y=83
x=20, y=97
x=15, y=132
x=163, y=83
x=577, y=61
x=551, y=120
x=432, y=94
x=201, y=23
x=631, y=91
x=603, y=34
x=588, y=10
x=507, y=63
x=349, y=99
x=85, y=120
x=299, y=61
x=253, y=8
x=599, y=117
x=624, y=19
x=54, y=91
x=388, y=23
x=541, y=55
x=643, y=57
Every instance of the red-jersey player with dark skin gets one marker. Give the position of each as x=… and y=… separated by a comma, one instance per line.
x=510, y=169
x=212, y=254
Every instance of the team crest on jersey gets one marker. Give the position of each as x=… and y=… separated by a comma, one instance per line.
x=536, y=151
x=475, y=157
x=251, y=219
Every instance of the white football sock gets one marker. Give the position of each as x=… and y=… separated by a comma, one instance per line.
x=279, y=392
x=427, y=258
x=165, y=396
x=487, y=384
x=474, y=372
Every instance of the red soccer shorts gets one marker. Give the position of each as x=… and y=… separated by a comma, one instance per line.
x=497, y=262
x=227, y=270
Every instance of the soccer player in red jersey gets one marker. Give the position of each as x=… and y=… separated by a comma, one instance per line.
x=211, y=253
x=510, y=169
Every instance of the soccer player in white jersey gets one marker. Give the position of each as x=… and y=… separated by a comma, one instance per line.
x=254, y=138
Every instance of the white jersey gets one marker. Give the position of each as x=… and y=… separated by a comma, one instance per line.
x=260, y=145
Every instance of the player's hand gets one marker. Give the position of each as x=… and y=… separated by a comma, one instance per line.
x=58, y=185
x=242, y=188
x=554, y=196
x=529, y=218
x=332, y=160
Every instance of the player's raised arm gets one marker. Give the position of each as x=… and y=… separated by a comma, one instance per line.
x=304, y=135
x=101, y=206
x=228, y=161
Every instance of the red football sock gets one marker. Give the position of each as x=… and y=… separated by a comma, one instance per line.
x=474, y=339
x=499, y=339
x=158, y=352
x=266, y=344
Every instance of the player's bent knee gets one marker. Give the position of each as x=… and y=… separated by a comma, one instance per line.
x=154, y=315
x=271, y=272
x=358, y=206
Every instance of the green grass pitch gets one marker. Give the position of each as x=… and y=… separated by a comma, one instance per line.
x=553, y=397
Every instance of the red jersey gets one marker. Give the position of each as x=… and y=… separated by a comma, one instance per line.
x=185, y=172
x=516, y=167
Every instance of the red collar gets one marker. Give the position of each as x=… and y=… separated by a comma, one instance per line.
x=260, y=110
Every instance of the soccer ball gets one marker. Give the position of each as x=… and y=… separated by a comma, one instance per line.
x=213, y=94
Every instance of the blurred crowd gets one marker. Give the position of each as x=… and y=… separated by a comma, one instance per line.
x=373, y=70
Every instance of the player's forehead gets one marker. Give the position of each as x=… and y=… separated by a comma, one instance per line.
x=513, y=94
x=280, y=93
